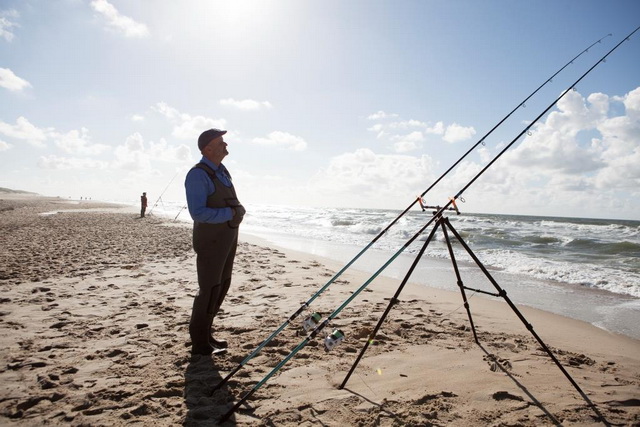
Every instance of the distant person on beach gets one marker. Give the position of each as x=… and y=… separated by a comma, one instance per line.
x=143, y=204
x=216, y=214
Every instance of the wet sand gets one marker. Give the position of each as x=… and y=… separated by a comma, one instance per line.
x=93, y=331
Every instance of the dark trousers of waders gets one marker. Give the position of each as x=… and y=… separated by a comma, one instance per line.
x=215, y=246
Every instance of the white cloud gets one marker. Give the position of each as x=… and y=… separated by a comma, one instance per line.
x=246, y=104
x=136, y=155
x=632, y=104
x=194, y=126
x=164, y=152
x=55, y=162
x=131, y=155
x=406, y=143
x=186, y=126
x=485, y=154
x=166, y=110
x=380, y=115
x=405, y=146
x=4, y=146
x=457, y=133
x=284, y=140
x=137, y=118
x=437, y=129
x=406, y=124
x=620, y=173
x=373, y=179
x=78, y=142
x=25, y=131
x=10, y=81
x=134, y=143
x=451, y=133
x=121, y=23
x=7, y=23
x=554, y=146
x=583, y=157
x=620, y=147
x=378, y=127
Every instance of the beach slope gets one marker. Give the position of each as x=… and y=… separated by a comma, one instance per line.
x=94, y=319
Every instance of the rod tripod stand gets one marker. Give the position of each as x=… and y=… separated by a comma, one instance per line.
x=444, y=223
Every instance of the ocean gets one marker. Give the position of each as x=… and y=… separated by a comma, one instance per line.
x=587, y=269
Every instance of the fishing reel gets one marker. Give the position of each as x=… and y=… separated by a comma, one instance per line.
x=333, y=340
x=311, y=322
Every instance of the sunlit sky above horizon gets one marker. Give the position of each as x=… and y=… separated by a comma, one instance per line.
x=327, y=103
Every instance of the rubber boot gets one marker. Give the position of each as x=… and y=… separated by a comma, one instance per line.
x=215, y=342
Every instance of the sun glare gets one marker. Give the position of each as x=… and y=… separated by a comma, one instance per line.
x=243, y=14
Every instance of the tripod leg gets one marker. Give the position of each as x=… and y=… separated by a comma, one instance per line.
x=460, y=284
x=503, y=294
x=394, y=300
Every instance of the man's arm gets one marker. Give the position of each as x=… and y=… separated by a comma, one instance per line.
x=198, y=187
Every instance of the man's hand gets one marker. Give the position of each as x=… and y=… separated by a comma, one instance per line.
x=238, y=215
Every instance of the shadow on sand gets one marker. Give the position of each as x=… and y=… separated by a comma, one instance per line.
x=203, y=409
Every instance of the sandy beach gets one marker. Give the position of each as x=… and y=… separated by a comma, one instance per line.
x=94, y=319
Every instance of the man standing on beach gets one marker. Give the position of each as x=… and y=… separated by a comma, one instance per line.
x=216, y=214
x=143, y=204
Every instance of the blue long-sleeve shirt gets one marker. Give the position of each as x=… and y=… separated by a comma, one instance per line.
x=198, y=187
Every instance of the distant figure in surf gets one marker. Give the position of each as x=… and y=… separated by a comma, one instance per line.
x=143, y=204
x=217, y=214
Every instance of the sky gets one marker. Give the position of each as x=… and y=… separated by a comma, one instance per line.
x=332, y=103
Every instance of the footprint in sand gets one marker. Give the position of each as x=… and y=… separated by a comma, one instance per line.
x=497, y=364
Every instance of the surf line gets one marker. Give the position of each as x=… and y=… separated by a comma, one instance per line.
x=335, y=313
x=306, y=305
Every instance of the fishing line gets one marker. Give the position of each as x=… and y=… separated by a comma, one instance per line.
x=322, y=325
x=445, y=316
x=365, y=383
x=161, y=194
x=179, y=212
x=304, y=306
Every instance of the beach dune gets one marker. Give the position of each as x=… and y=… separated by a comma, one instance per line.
x=94, y=319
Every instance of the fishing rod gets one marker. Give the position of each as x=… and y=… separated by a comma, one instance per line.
x=337, y=311
x=160, y=197
x=391, y=224
x=180, y=211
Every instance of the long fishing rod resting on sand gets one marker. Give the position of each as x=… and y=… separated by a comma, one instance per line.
x=161, y=194
x=304, y=306
x=326, y=322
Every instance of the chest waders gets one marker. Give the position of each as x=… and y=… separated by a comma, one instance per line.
x=215, y=246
